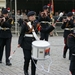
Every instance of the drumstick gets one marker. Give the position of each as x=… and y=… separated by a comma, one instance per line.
x=10, y=57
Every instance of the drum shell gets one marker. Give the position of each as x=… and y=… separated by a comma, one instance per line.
x=40, y=52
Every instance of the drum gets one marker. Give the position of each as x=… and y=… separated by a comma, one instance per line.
x=40, y=49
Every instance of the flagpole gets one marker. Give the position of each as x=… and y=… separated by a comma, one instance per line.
x=15, y=16
x=52, y=7
x=51, y=15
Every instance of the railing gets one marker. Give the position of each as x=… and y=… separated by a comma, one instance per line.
x=15, y=30
x=57, y=31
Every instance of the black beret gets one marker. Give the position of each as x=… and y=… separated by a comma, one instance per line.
x=4, y=11
x=70, y=14
x=45, y=7
x=31, y=13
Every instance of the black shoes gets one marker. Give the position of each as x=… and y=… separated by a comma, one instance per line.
x=8, y=64
x=64, y=56
x=26, y=73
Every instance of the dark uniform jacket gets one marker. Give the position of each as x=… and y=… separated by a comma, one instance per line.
x=6, y=33
x=67, y=24
x=24, y=41
x=71, y=45
x=44, y=26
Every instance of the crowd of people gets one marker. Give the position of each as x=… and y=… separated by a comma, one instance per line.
x=40, y=23
x=23, y=14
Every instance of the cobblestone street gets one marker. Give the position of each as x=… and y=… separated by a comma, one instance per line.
x=59, y=66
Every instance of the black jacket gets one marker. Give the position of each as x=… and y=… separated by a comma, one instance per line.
x=44, y=26
x=6, y=33
x=26, y=42
x=67, y=24
x=71, y=42
x=71, y=45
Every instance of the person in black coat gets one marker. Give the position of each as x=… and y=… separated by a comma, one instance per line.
x=68, y=26
x=44, y=18
x=25, y=42
x=5, y=36
x=71, y=45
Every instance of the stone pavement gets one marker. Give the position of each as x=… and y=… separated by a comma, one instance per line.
x=59, y=66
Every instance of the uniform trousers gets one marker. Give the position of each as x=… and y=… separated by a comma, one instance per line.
x=7, y=43
x=27, y=58
x=44, y=36
x=66, y=48
x=72, y=66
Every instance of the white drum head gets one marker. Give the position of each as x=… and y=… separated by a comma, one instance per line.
x=41, y=44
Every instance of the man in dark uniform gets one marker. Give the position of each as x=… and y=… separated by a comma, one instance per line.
x=25, y=41
x=5, y=36
x=43, y=18
x=68, y=26
x=71, y=45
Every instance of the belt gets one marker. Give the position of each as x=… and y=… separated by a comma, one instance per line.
x=28, y=35
x=68, y=28
x=73, y=54
x=4, y=28
x=45, y=22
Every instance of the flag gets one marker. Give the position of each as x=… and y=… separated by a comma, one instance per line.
x=51, y=6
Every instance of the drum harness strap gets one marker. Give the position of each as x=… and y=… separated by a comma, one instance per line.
x=33, y=32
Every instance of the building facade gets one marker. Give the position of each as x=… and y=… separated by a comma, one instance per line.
x=2, y=3
x=59, y=5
